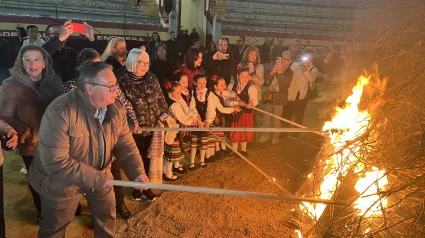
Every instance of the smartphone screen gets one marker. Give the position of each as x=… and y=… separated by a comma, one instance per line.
x=78, y=27
x=278, y=60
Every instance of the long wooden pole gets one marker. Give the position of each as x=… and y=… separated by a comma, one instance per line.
x=288, y=121
x=273, y=181
x=210, y=129
x=222, y=192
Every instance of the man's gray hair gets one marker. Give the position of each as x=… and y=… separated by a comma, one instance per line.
x=297, y=40
x=89, y=71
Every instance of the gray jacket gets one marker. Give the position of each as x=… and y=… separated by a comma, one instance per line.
x=69, y=159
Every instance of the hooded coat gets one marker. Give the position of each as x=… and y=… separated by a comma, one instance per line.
x=22, y=102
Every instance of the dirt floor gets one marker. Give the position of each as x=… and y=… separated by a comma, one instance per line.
x=181, y=214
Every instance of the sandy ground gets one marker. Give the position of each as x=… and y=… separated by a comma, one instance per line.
x=180, y=214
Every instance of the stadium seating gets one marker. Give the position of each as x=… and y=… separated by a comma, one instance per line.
x=313, y=17
x=114, y=11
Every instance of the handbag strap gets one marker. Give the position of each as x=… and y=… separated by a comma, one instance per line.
x=317, y=83
x=274, y=83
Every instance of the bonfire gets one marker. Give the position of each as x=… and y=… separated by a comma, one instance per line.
x=348, y=124
x=374, y=156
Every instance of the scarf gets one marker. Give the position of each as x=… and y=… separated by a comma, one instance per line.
x=200, y=94
x=134, y=77
x=240, y=87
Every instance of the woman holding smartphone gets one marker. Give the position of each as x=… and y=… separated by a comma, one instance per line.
x=251, y=60
x=281, y=77
x=304, y=75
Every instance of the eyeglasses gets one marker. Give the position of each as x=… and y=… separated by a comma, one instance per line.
x=144, y=64
x=35, y=60
x=111, y=88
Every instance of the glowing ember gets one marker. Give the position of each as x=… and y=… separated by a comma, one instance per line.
x=299, y=233
x=347, y=124
x=369, y=203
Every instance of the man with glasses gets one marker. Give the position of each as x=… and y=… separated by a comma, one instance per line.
x=34, y=38
x=63, y=55
x=79, y=133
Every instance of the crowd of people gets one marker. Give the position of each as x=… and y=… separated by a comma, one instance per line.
x=76, y=118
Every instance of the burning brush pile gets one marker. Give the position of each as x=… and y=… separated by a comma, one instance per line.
x=374, y=157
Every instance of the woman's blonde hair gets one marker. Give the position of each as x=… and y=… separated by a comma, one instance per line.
x=113, y=43
x=132, y=58
x=246, y=53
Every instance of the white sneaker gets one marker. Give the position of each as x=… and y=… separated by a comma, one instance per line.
x=275, y=141
x=23, y=170
x=263, y=139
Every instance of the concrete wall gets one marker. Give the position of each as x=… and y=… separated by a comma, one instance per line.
x=193, y=17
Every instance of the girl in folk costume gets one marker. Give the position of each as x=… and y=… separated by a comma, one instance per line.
x=174, y=153
x=186, y=96
x=217, y=110
x=247, y=94
x=203, y=140
x=182, y=79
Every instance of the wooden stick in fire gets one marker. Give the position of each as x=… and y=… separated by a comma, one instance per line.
x=211, y=129
x=222, y=192
x=286, y=120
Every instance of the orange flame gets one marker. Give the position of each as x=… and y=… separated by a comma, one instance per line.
x=369, y=203
x=347, y=124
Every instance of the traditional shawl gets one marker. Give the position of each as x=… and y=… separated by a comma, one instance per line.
x=156, y=148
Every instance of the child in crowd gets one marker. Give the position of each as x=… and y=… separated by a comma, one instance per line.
x=217, y=114
x=247, y=93
x=186, y=95
x=174, y=153
x=200, y=139
x=182, y=79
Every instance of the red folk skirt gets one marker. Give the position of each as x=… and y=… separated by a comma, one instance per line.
x=246, y=120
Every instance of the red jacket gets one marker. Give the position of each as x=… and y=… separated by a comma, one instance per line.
x=190, y=74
